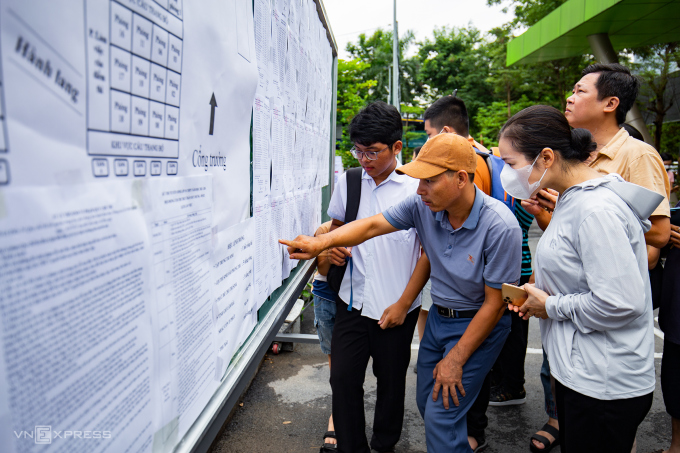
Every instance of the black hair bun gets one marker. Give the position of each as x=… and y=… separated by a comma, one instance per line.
x=582, y=144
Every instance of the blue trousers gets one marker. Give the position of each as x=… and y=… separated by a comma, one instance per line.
x=446, y=430
x=550, y=407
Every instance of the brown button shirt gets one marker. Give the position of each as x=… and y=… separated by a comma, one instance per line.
x=636, y=162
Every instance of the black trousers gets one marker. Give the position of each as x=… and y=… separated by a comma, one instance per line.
x=670, y=377
x=508, y=371
x=356, y=339
x=591, y=425
x=477, y=421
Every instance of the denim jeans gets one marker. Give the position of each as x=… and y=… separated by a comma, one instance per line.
x=550, y=407
x=446, y=430
x=324, y=321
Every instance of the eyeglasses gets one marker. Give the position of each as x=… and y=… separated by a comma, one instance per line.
x=370, y=155
x=440, y=132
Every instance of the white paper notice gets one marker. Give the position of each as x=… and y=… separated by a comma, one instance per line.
x=180, y=226
x=262, y=162
x=125, y=161
x=74, y=289
x=275, y=249
x=233, y=294
x=103, y=89
x=277, y=147
x=244, y=28
x=263, y=32
x=279, y=48
x=262, y=218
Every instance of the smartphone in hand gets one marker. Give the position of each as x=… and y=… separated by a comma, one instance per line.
x=513, y=295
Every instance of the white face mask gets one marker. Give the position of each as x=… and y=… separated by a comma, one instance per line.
x=516, y=182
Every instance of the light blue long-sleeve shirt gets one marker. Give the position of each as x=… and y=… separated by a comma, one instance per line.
x=592, y=260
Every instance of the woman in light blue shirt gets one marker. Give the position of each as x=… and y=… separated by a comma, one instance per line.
x=592, y=288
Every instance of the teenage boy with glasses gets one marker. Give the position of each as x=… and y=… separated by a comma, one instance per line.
x=382, y=285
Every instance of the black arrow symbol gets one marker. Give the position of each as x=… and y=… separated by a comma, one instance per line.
x=213, y=104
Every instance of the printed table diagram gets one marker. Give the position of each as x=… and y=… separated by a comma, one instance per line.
x=134, y=78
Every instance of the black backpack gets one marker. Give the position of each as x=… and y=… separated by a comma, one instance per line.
x=336, y=273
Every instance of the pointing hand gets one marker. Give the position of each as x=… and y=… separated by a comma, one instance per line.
x=303, y=247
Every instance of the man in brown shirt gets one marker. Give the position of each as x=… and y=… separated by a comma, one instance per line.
x=599, y=103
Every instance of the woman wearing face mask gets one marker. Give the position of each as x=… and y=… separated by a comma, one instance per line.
x=592, y=288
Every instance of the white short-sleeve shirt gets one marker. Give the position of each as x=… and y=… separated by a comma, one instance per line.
x=382, y=265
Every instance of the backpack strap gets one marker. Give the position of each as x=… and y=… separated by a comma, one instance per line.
x=351, y=210
x=489, y=165
x=353, y=193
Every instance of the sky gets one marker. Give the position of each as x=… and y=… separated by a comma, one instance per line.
x=350, y=18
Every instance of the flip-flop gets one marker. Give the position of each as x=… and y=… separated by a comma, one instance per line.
x=329, y=448
x=544, y=440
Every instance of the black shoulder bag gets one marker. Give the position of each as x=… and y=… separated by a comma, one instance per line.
x=336, y=273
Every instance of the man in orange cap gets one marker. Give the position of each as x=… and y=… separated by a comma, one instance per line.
x=474, y=244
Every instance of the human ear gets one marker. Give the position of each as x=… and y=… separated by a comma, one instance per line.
x=612, y=104
x=396, y=147
x=463, y=178
x=547, y=156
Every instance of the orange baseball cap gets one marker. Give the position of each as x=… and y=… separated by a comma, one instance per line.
x=440, y=153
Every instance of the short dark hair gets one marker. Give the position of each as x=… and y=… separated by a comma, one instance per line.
x=416, y=150
x=449, y=111
x=540, y=126
x=378, y=122
x=632, y=131
x=615, y=80
x=471, y=176
x=666, y=156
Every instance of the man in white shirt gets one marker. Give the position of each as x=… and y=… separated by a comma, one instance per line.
x=382, y=285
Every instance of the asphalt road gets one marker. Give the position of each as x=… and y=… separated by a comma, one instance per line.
x=287, y=406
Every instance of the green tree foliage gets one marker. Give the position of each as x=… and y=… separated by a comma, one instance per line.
x=655, y=72
x=670, y=140
x=376, y=52
x=353, y=94
x=492, y=117
x=464, y=60
x=508, y=82
x=528, y=12
x=547, y=82
x=456, y=59
x=474, y=64
x=408, y=112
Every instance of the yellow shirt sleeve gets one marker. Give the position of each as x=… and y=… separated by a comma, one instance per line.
x=648, y=171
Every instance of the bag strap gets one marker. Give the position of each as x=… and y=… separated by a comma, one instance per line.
x=351, y=210
x=489, y=165
x=353, y=193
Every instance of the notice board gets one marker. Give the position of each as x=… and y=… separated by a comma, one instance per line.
x=152, y=152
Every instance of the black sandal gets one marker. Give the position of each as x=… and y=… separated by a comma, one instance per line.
x=329, y=448
x=482, y=444
x=544, y=440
